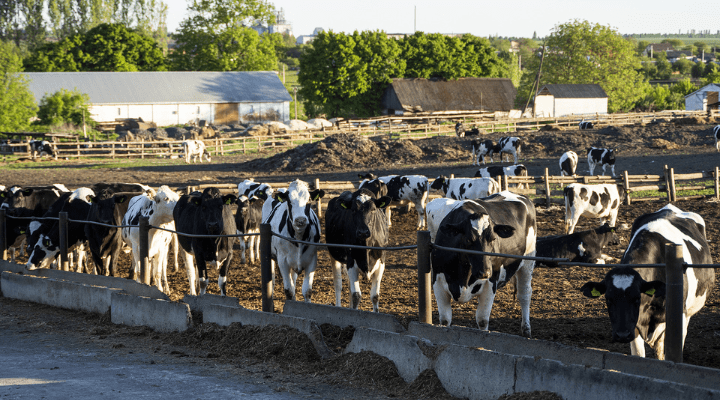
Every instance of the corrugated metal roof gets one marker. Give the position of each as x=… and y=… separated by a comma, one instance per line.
x=574, y=91
x=492, y=94
x=163, y=87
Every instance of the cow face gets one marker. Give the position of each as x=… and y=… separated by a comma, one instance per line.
x=242, y=215
x=623, y=289
x=102, y=207
x=440, y=183
x=298, y=199
x=18, y=198
x=210, y=206
x=42, y=253
x=376, y=186
x=363, y=209
x=164, y=202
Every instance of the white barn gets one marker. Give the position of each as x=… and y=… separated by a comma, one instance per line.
x=171, y=98
x=703, y=99
x=570, y=99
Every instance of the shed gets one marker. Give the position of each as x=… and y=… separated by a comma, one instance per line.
x=570, y=99
x=170, y=98
x=472, y=94
x=704, y=98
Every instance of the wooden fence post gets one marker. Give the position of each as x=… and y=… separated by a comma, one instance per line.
x=423, y=260
x=717, y=183
x=674, y=302
x=142, y=150
x=63, y=231
x=547, y=187
x=666, y=173
x=77, y=146
x=3, y=235
x=672, y=184
x=505, y=185
x=319, y=200
x=112, y=151
x=266, y=272
x=626, y=187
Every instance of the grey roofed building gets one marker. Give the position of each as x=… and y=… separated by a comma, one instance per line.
x=573, y=91
x=417, y=94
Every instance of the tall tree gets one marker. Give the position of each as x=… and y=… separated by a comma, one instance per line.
x=17, y=103
x=580, y=52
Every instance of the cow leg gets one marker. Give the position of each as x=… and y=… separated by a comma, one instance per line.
x=604, y=165
x=107, y=265
x=420, y=208
x=242, y=244
x=612, y=168
x=176, y=247
x=486, y=296
x=354, y=281
x=524, y=293
x=257, y=247
x=442, y=297
x=388, y=213
x=308, y=281
x=591, y=167
x=289, y=283
x=190, y=269
x=222, y=275
x=337, y=281
x=375, y=288
x=637, y=346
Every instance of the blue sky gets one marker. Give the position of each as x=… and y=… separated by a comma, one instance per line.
x=483, y=18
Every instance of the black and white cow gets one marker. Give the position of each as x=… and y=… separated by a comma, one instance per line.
x=195, y=149
x=402, y=189
x=568, y=163
x=373, y=184
x=436, y=211
x=460, y=130
x=584, y=246
x=503, y=223
x=585, y=125
x=509, y=145
x=207, y=214
x=355, y=218
x=495, y=171
x=47, y=246
x=124, y=188
x=42, y=148
x=480, y=149
x=602, y=157
x=716, y=135
x=249, y=188
x=105, y=243
x=636, y=297
x=465, y=188
x=598, y=201
x=290, y=215
x=36, y=199
x=247, y=220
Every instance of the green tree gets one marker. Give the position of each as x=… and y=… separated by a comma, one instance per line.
x=683, y=87
x=664, y=68
x=580, y=52
x=710, y=68
x=649, y=70
x=641, y=46
x=700, y=46
x=676, y=43
x=64, y=106
x=107, y=47
x=683, y=66
x=713, y=77
x=698, y=69
x=17, y=103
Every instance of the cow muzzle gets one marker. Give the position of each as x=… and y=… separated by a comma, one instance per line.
x=300, y=223
x=363, y=233
x=623, y=337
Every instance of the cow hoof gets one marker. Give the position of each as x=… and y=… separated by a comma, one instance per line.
x=289, y=295
x=525, y=331
x=308, y=296
x=355, y=300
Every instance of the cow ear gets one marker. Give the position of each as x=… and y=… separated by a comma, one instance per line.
x=229, y=199
x=654, y=288
x=120, y=199
x=361, y=177
x=593, y=290
x=383, y=202
x=504, y=231
x=27, y=192
x=91, y=199
x=282, y=196
x=261, y=194
x=317, y=194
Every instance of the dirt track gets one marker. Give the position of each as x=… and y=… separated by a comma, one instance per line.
x=559, y=312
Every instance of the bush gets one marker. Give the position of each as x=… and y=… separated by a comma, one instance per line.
x=64, y=107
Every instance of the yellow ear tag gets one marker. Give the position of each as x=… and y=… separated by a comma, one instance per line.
x=612, y=230
x=22, y=232
x=228, y=201
x=122, y=200
x=382, y=204
x=343, y=205
x=650, y=292
x=317, y=196
x=595, y=293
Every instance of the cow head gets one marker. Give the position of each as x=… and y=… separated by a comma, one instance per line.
x=102, y=207
x=376, y=186
x=624, y=290
x=441, y=183
x=18, y=198
x=44, y=251
x=211, y=205
x=459, y=129
x=163, y=204
x=249, y=188
x=298, y=199
x=369, y=176
x=242, y=215
x=363, y=205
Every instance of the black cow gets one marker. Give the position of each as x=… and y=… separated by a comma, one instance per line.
x=105, y=243
x=247, y=220
x=42, y=148
x=355, y=218
x=124, y=188
x=460, y=130
x=602, y=157
x=206, y=214
x=585, y=125
x=38, y=200
x=636, y=297
x=584, y=246
x=502, y=223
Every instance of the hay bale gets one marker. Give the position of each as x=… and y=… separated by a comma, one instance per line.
x=319, y=123
x=298, y=125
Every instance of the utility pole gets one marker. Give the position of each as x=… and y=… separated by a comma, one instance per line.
x=295, y=93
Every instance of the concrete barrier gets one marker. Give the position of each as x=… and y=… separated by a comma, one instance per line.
x=225, y=316
x=342, y=317
x=571, y=382
x=57, y=293
x=665, y=370
x=475, y=373
x=198, y=303
x=160, y=315
x=403, y=350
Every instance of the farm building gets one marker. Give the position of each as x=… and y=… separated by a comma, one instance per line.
x=568, y=99
x=170, y=98
x=471, y=94
x=704, y=98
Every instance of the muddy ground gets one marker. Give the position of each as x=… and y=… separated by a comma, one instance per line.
x=559, y=312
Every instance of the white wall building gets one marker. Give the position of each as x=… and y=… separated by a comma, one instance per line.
x=570, y=99
x=172, y=98
x=704, y=98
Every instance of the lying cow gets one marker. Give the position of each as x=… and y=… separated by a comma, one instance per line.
x=584, y=246
x=480, y=149
x=716, y=135
x=636, y=297
x=403, y=189
x=495, y=171
x=465, y=188
x=503, y=223
x=461, y=132
x=585, y=125
x=355, y=218
x=195, y=149
x=42, y=148
x=568, y=163
x=509, y=145
x=602, y=157
x=598, y=201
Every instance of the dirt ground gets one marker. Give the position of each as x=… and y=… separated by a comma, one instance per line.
x=559, y=312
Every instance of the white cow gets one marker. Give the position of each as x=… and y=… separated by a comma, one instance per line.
x=195, y=149
x=404, y=189
x=465, y=188
x=159, y=210
x=568, y=163
x=599, y=201
x=436, y=211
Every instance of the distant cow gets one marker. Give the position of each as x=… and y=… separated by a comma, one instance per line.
x=636, y=297
x=480, y=149
x=509, y=145
x=598, y=201
x=465, y=188
x=291, y=215
x=584, y=246
x=354, y=218
x=247, y=220
x=195, y=149
x=461, y=132
x=716, y=135
x=404, y=189
x=42, y=148
x=568, y=163
x=495, y=171
x=206, y=214
x=504, y=223
x=249, y=188
x=602, y=157
x=585, y=124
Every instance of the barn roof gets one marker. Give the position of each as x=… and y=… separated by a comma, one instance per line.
x=416, y=94
x=573, y=91
x=163, y=87
x=711, y=87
